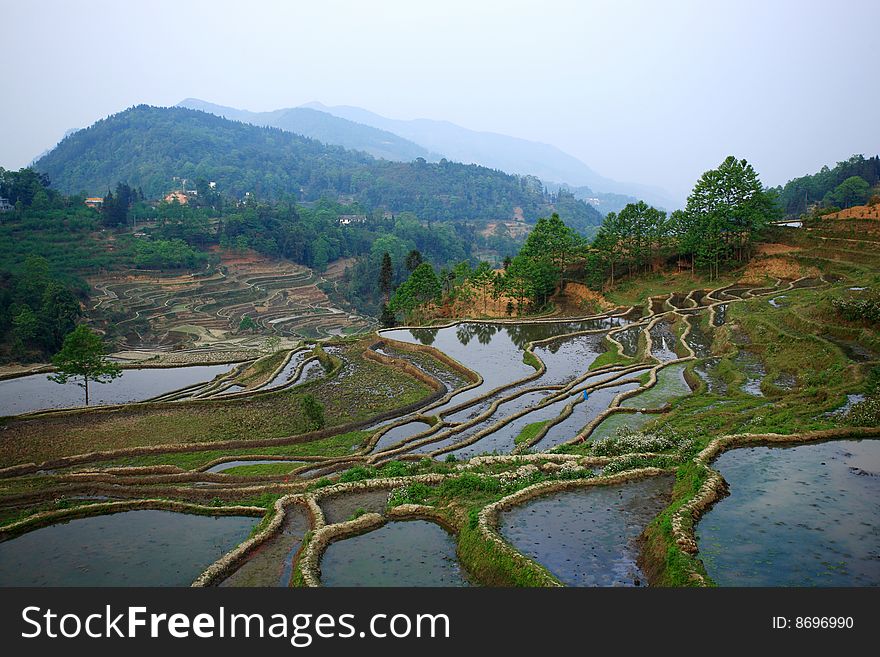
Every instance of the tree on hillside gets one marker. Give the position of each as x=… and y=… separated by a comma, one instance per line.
x=552, y=239
x=313, y=410
x=852, y=191
x=519, y=281
x=82, y=356
x=413, y=260
x=386, y=275
x=725, y=211
x=421, y=287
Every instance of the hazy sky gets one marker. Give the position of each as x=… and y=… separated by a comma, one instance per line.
x=651, y=92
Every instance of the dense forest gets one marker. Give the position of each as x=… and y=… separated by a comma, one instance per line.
x=848, y=183
x=147, y=147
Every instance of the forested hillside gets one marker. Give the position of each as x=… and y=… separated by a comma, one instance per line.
x=847, y=184
x=147, y=147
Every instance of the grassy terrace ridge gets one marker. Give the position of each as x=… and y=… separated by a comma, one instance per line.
x=332, y=446
x=345, y=397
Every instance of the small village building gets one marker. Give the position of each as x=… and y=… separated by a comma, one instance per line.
x=95, y=202
x=180, y=197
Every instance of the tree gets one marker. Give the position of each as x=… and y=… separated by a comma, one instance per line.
x=386, y=275
x=246, y=324
x=852, y=191
x=420, y=288
x=314, y=413
x=82, y=356
x=414, y=259
x=725, y=212
x=387, y=319
x=58, y=315
x=25, y=328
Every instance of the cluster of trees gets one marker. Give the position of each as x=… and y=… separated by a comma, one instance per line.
x=529, y=278
x=148, y=146
x=723, y=218
x=166, y=254
x=37, y=311
x=721, y=222
x=848, y=183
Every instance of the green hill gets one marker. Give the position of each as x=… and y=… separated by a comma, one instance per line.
x=148, y=147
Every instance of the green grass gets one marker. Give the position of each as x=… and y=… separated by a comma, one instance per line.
x=338, y=445
x=262, y=469
x=610, y=357
x=529, y=432
x=259, y=371
x=530, y=359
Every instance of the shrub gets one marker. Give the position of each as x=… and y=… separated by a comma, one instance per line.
x=859, y=309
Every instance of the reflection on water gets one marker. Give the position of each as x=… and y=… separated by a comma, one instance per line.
x=132, y=548
x=720, y=315
x=796, y=516
x=588, y=537
x=413, y=553
x=35, y=392
x=663, y=341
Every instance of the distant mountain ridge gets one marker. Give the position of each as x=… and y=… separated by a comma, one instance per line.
x=148, y=147
x=324, y=127
x=490, y=149
x=433, y=140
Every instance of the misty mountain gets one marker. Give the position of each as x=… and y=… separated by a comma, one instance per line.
x=324, y=127
x=499, y=151
x=148, y=147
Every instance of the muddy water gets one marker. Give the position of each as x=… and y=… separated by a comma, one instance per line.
x=271, y=564
x=751, y=365
x=503, y=440
x=133, y=548
x=629, y=338
x=714, y=383
x=35, y=392
x=663, y=341
x=413, y=553
x=400, y=433
x=340, y=508
x=287, y=372
x=489, y=349
x=493, y=350
x=796, y=516
x=567, y=359
x=582, y=414
x=228, y=465
x=698, y=340
x=588, y=537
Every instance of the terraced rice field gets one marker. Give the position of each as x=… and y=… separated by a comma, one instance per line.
x=150, y=310
x=520, y=439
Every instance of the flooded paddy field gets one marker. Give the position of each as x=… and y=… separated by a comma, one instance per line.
x=411, y=553
x=131, y=548
x=588, y=537
x=796, y=516
x=524, y=415
x=272, y=563
x=36, y=392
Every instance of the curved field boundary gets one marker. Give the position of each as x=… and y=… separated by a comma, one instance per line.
x=46, y=518
x=713, y=488
x=487, y=519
